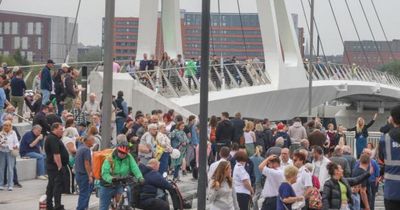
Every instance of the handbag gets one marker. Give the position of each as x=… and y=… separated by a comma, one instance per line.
x=15, y=152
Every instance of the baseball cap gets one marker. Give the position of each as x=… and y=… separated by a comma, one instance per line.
x=280, y=126
x=64, y=65
x=50, y=61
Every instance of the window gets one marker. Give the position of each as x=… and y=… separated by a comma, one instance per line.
x=38, y=28
x=39, y=43
x=16, y=43
x=14, y=28
x=1, y=42
x=25, y=43
x=6, y=27
x=29, y=28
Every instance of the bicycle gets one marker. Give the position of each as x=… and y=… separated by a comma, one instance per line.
x=122, y=201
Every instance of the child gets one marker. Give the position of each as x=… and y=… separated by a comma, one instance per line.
x=286, y=193
x=355, y=197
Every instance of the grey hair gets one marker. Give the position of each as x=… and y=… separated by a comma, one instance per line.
x=346, y=149
x=280, y=142
x=37, y=126
x=121, y=138
x=161, y=124
x=152, y=126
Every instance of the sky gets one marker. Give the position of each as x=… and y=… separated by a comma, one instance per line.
x=92, y=11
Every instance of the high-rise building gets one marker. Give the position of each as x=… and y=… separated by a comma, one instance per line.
x=38, y=37
x=373, y=57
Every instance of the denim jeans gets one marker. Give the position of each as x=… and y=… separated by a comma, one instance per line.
x=120, y=124
x=40, y=158
x=45, y=96
x=176, y=170
x=164, y=163
x=7, y=158
x=105, y=195
x=85, y=190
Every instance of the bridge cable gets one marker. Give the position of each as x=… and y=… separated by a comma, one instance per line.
x=383, y=30
x=241, y=26
x=73, y=31
x=372, y=32
x=305, y=16
x=358, y=34
x=340, y=32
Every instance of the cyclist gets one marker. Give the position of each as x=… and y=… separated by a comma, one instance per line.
x=119, y=164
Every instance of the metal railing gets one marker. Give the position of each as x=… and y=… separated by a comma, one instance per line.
x=373, y=137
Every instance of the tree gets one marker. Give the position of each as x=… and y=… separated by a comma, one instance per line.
x=19, y=59
x=392, y=68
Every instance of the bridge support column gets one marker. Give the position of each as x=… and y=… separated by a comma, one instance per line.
x=281, y=51
x=147, y=35
x=171, y=27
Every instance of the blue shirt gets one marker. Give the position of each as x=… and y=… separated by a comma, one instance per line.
x=195, y=135
x=17, y=87
x=285, y=191
x=26, y=140
x=3, y=98
x=256, y=162
x=82, y=154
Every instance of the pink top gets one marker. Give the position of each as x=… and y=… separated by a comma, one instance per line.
x=116, y=67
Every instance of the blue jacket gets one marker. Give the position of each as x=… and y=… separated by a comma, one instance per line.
x=285, y=136
x=195, y=135
x=45, y=79
x=153, y=180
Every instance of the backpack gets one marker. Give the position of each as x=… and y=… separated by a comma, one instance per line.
x=98, y=160
x=315, y=199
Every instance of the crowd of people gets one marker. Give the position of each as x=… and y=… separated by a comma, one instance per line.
x=286, y=165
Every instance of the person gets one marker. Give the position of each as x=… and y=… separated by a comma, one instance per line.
x=69, y=90
x=143, y=65
x=281, y=133
x=221, y=194
x=40, y=119
x=256, y=159
x=116, y=67
x=268, y=134
x=319, y=165
x=8, y=143
x=190, y=73
x=286, y=194
x=303, y=183
x=337, y=157
x=92, y=131
x=365, y=191
x=362, y=133
x=317, y=138
x=147, y=145
x=77, y=113
x=270, y=168
x=83, y=172
x=260, y=137
x=238, y=126
x=212, y=128
x=46, y=83
x=70, y=139
x=249, y=137
x=242, y=181
x=296, y=132
x=224, y=132
x=389, y=153
x=122, y=111
x=349, y=157
x=18, y=88
x=337, y=193
x=285, y=159
x=131, y=68
x=163, y=148
x=30, y=147
x=56, y=161
x=371, y=147
x=179, y=141
x=121, y=163
x=153, y=181
x=224, y=155
x=91, y=106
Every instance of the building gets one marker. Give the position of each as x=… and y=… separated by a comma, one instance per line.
x=374, y=58
x=231, y=35
x=38, y=37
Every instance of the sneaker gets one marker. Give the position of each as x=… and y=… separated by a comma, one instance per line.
x=18, y=185
x=42, y=177
x=10, y=189
x=1, y=188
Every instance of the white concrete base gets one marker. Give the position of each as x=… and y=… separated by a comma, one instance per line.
x=26, y=169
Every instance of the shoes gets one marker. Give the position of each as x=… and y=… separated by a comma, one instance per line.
x=18, y=185
x=1, y=188
x=42, y=177
x=10, y=189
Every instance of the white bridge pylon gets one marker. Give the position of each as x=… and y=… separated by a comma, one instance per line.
x=281, y=51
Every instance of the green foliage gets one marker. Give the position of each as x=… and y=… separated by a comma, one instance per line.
x=392, y=68
x=93, y=54
x=14, y=60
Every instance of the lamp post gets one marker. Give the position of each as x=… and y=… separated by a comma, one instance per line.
x=310, y=66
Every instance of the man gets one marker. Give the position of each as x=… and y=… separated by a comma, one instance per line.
x=349, y=157
x=317, y=138
x=143, y=65
x=303, y=184
x=267, y=134
x=270, y=168
x=281, y=132
x=224, y=132
x=296, y=133
x=69, y=90
x=238, y=126
x=18, y=88
x=305, y=144
x=154, y=182
x=40, y=119
x=319, y=165
x=91, y=106
x=337, y=157
x=122, y=111
x=83, y=172
x=285, y=159
x=59, y=87
x=57, y=159
x=365, y=190
x=224, y=155
x=30, y=147
x=147, y=145
x=46, y=83
x=389, y=152
x=120, y=164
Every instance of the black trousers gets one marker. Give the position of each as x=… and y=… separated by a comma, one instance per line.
x=55, y=188
x=154, y=203
x=243, y=201
x=269, y=203
x=392, y=205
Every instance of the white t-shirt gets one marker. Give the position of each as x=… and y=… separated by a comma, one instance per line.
x=239, y=175
x=304, y=180
x=272, y=182
x=249, y=137
x=212, y=168
x=284, y=165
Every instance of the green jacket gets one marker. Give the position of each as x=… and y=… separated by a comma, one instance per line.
x=190, y=70
x=122, y=167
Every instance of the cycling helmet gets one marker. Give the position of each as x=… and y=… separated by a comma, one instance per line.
x=123, y=148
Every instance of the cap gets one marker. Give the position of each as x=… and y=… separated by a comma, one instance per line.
x=50, y=61
x=64, y=65
x=280, y=126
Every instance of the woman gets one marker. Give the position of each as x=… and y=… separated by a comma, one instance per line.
x=163, y=148
x=8, y=143
x=340, y=136
x=362, y=133
x=249, y=137
x=222, y=195
x=69, y=140
x=337, y=191
x=241, y=180
x=287, y=195
x=331, y=133
x=79, y=116
x=131, y=68
x=165, y=64
x=179, y=141
x=92, y=131
x=373, y=150
x=167, y=119
x=212, y=129
x=256, y=159
x=260, y=137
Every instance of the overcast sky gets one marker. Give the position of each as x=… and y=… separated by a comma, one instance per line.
x=93, y=10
